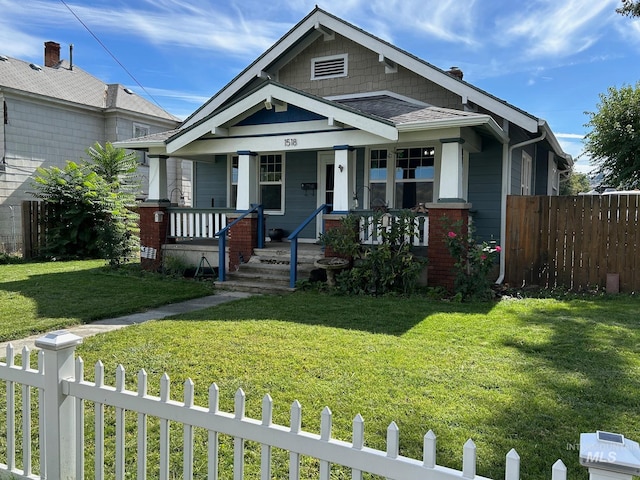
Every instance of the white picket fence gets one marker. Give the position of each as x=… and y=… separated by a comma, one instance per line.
x=62, y=393
x=371, y=231
x=194, y=223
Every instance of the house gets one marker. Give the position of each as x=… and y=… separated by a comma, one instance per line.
x=331, y=114
x=52, y=113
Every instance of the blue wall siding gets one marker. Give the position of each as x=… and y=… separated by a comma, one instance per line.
x=211, y=182
x=291, y=114
x=541, y=171
x=300, y=167
x=485, y=187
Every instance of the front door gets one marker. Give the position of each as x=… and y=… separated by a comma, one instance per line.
x=326, y=163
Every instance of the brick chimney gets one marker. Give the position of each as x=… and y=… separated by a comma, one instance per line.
x=51, y=54
x=455, y=72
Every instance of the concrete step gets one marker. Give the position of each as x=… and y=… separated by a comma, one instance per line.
x=253, y=287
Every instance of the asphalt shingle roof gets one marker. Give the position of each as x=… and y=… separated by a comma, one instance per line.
x=73, y=85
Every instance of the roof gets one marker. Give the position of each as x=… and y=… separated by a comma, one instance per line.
x=319, y=18
x=73, y=85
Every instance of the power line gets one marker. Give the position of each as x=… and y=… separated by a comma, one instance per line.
x=109, y=52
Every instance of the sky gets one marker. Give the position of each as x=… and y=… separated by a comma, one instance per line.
x=551, y=58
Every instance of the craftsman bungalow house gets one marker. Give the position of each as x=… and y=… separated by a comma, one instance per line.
x=333, y=115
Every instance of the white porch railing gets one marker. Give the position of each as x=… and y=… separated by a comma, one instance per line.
x=195, y=223
x=62, y=393
x=371, y=231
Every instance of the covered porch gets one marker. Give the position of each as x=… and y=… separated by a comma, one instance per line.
x=306, y=161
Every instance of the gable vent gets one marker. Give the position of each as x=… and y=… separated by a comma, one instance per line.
x=329, y=67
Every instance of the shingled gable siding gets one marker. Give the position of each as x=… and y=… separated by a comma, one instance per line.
x=365, y=74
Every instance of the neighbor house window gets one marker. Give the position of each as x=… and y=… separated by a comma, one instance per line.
x=271, y=181
x=233, y=180
x=525, y=174
x=414, y=174
x=329, y=67
x=140, y=130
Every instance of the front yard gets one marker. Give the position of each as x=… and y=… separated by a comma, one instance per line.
x=524, y=374
x=40, y=297
x=529, y=374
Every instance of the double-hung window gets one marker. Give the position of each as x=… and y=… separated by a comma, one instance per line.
x=271, y=181
x=414, y=176
x=402, y=179
x=525, y=174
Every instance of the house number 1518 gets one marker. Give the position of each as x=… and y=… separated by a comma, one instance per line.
x=290, y=142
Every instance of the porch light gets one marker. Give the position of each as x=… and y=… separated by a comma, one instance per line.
x=158, y=215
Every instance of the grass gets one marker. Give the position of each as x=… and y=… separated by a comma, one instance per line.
x=527, y=374
x=40, y=297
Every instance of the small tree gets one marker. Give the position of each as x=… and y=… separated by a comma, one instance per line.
x=614, y=140
x=575, y=183
x=91, y=211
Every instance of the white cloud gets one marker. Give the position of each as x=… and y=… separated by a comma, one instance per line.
x=557, y=28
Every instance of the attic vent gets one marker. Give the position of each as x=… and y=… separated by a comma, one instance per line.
x=129, y=91
x=35, y=67
x=329, y=67
x=4, y=58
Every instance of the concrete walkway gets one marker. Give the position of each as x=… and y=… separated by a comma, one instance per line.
x=109, y=324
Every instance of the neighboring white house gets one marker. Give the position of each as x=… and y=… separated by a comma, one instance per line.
x=52, y=113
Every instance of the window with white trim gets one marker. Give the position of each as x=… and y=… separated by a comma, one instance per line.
x=271, y=182
x=141, y=130
x=378, y=172
x=414, y=174
x=525, y=174
x=406, y=179
x=333, y=66
x=233, y=182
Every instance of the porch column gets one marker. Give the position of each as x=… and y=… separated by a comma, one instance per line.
x=451, y=172
x=440, y=269
x=342, y=191
x=157, y=177
x=247, y=179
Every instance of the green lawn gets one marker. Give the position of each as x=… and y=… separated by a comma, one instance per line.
x=525, y=374
x=40, y=297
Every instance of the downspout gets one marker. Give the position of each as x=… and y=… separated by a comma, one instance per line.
x=507, y=154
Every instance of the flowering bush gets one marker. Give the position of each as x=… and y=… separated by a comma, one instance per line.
x=473, y=262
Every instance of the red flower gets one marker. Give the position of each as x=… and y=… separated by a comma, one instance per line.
x=452, y=235
x=498, y=248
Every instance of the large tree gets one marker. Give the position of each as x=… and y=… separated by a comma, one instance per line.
x=613, y=142
x=574, y=184
x=630, y=8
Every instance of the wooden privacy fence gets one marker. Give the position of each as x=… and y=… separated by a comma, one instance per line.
x=576, y=242
x=124, y=420
x=34, y=227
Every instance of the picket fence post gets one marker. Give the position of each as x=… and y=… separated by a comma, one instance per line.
x=59, y=409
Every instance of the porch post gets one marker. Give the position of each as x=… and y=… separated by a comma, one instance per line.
x=157, y=177
x=341, y=186
x=247, y=180
x=451, y=172
x=440, y=269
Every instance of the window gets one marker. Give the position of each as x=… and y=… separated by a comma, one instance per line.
x=271, y=181
x=414, y=176
x=525, y=174
x=329, y=67
x=140, y=130
x=378, y=168
x=233, y=190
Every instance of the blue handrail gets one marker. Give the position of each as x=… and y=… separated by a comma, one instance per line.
x=222, y=238
x=293, y=238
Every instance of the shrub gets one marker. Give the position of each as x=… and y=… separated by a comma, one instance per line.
x=473, y=262
x=387, y=267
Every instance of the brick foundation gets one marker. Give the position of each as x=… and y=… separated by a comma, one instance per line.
x=440, y=267
x=152, y=234
x=243, y=238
